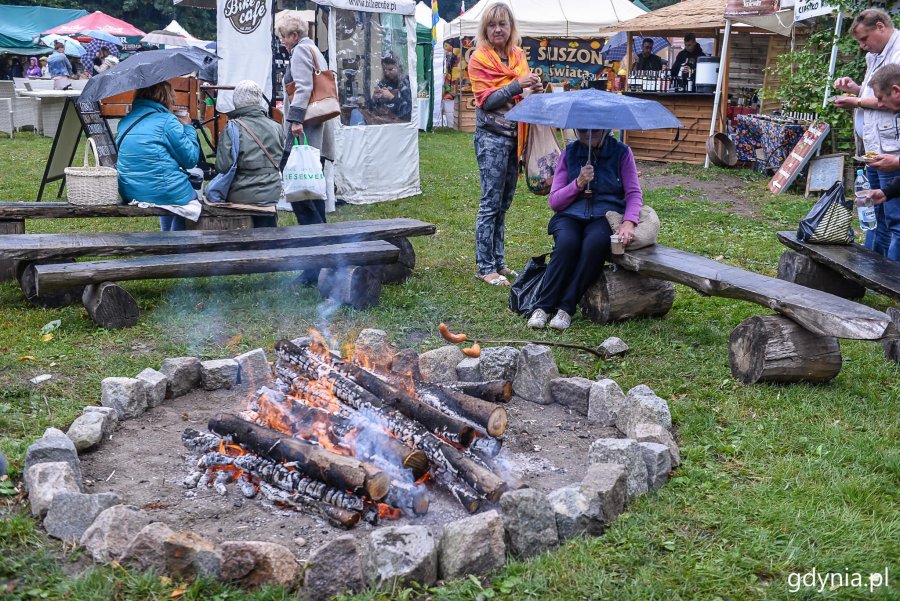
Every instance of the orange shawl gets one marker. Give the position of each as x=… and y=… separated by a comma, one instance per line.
x=488, y=73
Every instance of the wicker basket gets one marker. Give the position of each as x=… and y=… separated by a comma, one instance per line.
x=90, y=186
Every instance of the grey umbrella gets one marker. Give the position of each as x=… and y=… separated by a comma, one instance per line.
x=145, y=69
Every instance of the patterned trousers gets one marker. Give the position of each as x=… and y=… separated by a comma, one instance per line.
x=498, y=169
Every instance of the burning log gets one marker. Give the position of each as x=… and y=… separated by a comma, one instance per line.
x=461, y=491
x=336, y=516
x=408, y=497
x=345, y=473
x=302, y=419
x=486, y=446
x=492, y=418
x=443, y=456
x=495, y=391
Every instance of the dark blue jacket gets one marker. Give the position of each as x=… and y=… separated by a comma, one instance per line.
x=608, y=190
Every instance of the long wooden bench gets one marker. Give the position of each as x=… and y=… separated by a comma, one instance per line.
x=844, y=270
x=770, y=348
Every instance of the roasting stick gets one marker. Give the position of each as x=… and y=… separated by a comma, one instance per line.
x=457, y=338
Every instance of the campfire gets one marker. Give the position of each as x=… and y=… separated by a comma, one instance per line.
x=359, y=438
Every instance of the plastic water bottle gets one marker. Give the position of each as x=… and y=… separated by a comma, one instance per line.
x=864, y=205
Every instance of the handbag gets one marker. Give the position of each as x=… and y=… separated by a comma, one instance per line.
x=540, y=158
x=302, y=178
x=217, y=188
x=323, y=100
x=829, y=221
x=646, y=230
x=523, y=294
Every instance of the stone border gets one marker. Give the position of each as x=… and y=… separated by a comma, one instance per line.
x=525, y=523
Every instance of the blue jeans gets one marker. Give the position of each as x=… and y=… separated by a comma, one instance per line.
x=172, y=223
x=885, y=238
x=498, y=172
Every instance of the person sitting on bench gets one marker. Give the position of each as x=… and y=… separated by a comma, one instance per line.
x=155, y=150
x=595, y=174
x=257, y=179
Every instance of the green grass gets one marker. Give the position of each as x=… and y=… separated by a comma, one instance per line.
x=774, y=480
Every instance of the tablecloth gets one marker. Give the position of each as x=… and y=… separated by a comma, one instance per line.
x=776, y=139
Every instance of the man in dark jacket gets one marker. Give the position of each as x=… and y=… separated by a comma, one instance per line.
x=392, y=95
x=646, y=60
x=692, y=51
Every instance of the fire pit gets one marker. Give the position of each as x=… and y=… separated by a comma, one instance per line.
x=367, y=444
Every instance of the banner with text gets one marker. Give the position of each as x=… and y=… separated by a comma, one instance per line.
x=244, y=35
x=750, y=8
x=807, y=9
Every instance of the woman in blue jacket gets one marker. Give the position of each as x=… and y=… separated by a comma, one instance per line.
x=155, y=149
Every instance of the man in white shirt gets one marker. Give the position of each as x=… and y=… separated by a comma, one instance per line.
x=875, y=32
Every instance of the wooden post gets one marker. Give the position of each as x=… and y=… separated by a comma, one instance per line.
x=800, y=269
x=61, y=297
x=619, y=295
x=110, y=306
x=399, y=272
x=8, y=267
x=723, y=58
x=357, y=286
x=629, y=53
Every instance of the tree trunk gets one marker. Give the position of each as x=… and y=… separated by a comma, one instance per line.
x=800, y=269
x=492, y=418
x=359, y=287
x=892, y=344
x=345, y=473
x=110, y=306
x=772, y=348
x=8, y=266
x=61, y=297
x=399, y=272
x=495, y=391
x=619, y=295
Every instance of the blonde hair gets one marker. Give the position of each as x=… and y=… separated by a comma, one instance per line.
x=495, y=12
x=161, y=93
x=288, y=22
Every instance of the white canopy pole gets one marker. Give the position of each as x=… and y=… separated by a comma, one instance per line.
x=718, y=97
x=834, y=52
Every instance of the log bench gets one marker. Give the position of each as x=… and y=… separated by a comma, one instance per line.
x=841, y=269
x=800, y=344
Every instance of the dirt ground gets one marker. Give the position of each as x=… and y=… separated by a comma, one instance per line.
x=145, y=463
x=724, y=189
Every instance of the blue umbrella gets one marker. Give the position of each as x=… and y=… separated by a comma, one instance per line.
x=72, y=47
x=145, y=69
x=615, y=47
x=593, y=109
x=102, y=35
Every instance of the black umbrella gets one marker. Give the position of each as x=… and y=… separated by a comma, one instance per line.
x=145, y=69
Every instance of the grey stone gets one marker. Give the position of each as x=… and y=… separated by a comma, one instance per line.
x=473, y=545
x=626, y=452
x=189, y=556
x=659, y=464
x=576, y=514
x=642, y=406
x=606, y=483
x=333, y=569
x=87, y=430
x=256, y=563
x=572, y=392
x=110, y=418
x=255, y=371
x=54, y=446
x=529, y=521
x=146, y=551
x=155, y=383
x=128, y=396
x=183, y=375
x=218, y=374
x=406, y=363
x=612, y=347
x=535, y=370
x=373, y=349
x=44, y=481
x=604, y=402
x=499, y=363
x=644, y=432
x=71, y=513
x=439, y=365
x=108, y=536
x=469, y=370
x=399, y=554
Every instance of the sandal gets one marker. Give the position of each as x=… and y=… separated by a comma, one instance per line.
x=509, y=273
x=499, y=280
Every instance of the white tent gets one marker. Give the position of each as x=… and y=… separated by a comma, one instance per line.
x=175, y=27
x=424, y=18
x=561, y=18
x=374, y=162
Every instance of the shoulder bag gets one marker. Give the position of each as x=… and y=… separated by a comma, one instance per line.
x=323, y=100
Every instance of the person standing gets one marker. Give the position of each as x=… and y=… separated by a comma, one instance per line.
x=646, y=60
x=687, y=57
x=59, y=67
x=875, y=33
x=499, y=73
x=34, y=68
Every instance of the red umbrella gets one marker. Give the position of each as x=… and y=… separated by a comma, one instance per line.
x=99, y=21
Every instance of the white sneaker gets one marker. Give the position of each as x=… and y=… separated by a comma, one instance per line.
x=537, y=320
x=561, y=320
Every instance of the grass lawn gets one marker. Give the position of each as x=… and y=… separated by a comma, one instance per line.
x=775, y=480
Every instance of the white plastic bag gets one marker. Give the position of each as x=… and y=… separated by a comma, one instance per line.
x=302, y=176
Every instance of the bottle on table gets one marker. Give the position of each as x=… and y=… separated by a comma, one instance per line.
x=864, y=205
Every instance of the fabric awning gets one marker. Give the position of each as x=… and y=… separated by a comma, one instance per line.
x=99, y=21
x=21, y=25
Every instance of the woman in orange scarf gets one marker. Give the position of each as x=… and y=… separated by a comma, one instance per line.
x=499, y=74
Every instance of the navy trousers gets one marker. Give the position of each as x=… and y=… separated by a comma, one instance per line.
x=580, y=247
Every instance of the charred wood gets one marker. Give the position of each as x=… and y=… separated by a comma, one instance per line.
x=200, y=442
x=334, y=515
x=410, y=498
x=489, y=416
x=495, y=391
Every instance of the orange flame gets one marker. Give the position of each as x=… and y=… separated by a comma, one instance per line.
x=386, y=512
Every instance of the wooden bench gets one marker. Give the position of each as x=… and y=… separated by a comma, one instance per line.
x=801, y=346
x=841, y=269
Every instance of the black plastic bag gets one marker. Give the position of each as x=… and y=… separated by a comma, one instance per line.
x=523, y=294
x=830, y=220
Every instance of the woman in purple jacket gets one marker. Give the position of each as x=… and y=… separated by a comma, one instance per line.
x=595, y=174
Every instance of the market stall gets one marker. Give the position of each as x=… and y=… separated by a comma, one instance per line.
x=128, y=34
x=20, y=26
x=741, y=54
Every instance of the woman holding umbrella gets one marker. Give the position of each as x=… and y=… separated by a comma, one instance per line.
x=499, y=73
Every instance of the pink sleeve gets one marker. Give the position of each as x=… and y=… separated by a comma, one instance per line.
x=561, y=193
x=634, y=199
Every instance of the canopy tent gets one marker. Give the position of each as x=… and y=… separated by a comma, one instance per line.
x=562, y=18
x=432, y=73
x=378, y=161
x=21, y=25
x=425, y=74
x=175, y=27
x=100, y=21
